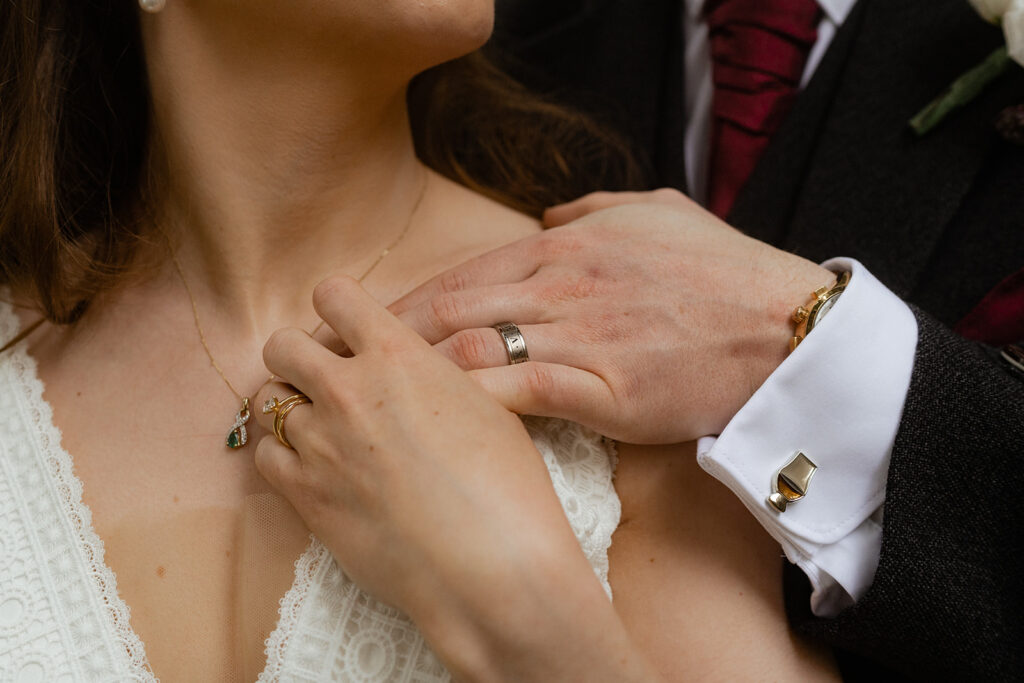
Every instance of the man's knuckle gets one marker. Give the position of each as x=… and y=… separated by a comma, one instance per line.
x=584, y=286
x=453, y=281
x=540, y=383
x=554, y=245
x=470, y=347
x=627, y=386
x=445, y=312
x=566, y=244
x=669, y=194
x=570, y=290
x=606, y=329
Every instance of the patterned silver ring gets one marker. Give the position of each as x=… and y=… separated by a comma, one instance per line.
x=515, y=345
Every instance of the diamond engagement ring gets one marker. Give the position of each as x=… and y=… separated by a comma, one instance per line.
x=282, y=408
x=515, y=345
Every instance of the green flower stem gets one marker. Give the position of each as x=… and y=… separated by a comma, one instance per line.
x=962, y=91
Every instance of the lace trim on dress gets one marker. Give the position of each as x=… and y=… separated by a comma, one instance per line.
x=306, y=569
x=330, y=630
x=582, y=467
x=114, y=646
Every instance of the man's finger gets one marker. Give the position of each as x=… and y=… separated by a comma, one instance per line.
x=483, y=347
x=547, y=389
x=442, y=316
x=562, y=214
x=507, y=264
x=596, y=201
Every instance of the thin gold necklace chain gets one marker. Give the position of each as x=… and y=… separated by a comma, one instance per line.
x=238, y=437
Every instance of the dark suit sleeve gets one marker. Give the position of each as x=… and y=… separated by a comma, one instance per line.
x=947, y=602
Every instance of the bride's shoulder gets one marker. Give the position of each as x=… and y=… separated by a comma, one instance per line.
x=460, y=224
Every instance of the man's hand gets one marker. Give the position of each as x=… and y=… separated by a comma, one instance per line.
x=649, y=320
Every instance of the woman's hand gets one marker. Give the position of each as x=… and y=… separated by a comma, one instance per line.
x=432, y=497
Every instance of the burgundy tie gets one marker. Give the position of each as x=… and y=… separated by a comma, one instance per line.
x=758, y=52
x=999, y=318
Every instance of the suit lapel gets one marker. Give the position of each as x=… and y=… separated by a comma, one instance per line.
x=617, y=59
x=765, y=206
x=845, y=176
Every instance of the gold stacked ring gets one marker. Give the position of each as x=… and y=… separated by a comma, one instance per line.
x=282, y=408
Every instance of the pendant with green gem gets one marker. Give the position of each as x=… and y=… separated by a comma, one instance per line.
x=238, y=436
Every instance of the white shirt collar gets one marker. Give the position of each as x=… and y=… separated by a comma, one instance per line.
x=835, y=10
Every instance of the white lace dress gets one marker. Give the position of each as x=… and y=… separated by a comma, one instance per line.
x=61, y=618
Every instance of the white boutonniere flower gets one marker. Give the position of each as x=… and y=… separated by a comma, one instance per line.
x=1009, y=14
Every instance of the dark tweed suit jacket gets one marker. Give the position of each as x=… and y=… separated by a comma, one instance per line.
x=940, y=220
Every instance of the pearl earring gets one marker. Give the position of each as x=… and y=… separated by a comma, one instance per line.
x=152, y=6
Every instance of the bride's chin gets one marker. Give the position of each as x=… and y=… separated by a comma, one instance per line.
x=441, y=30
x=409, y=33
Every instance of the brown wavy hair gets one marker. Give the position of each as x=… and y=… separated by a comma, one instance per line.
x=74, y=123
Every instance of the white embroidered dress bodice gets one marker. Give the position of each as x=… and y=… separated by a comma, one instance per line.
x=61, y=618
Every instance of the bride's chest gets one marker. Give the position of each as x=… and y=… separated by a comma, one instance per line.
x=202, y=549
x=202, y=554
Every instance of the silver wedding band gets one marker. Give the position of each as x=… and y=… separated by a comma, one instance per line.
x=515, y=345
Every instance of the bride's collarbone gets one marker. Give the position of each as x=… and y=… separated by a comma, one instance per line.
x=144, y=418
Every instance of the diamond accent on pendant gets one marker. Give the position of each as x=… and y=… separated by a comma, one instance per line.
x=239, y=436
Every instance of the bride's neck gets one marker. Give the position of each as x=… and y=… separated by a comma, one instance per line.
x=271, y=169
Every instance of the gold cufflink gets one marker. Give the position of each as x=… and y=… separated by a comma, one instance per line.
x=791, y=482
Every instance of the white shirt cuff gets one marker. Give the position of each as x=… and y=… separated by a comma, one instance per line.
x=838, y=399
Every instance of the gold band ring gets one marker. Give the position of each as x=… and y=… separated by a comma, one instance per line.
x=282, y=408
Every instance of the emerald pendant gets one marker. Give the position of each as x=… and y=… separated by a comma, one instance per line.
x=238, y=436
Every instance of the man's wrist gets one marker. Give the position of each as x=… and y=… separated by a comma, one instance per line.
x=837, y=399
x=788, y=285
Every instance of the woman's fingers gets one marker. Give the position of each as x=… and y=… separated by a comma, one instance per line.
x=280, y=466
x=545, y=389
x=355, y=316
x=298, y=422
x=297, y=358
